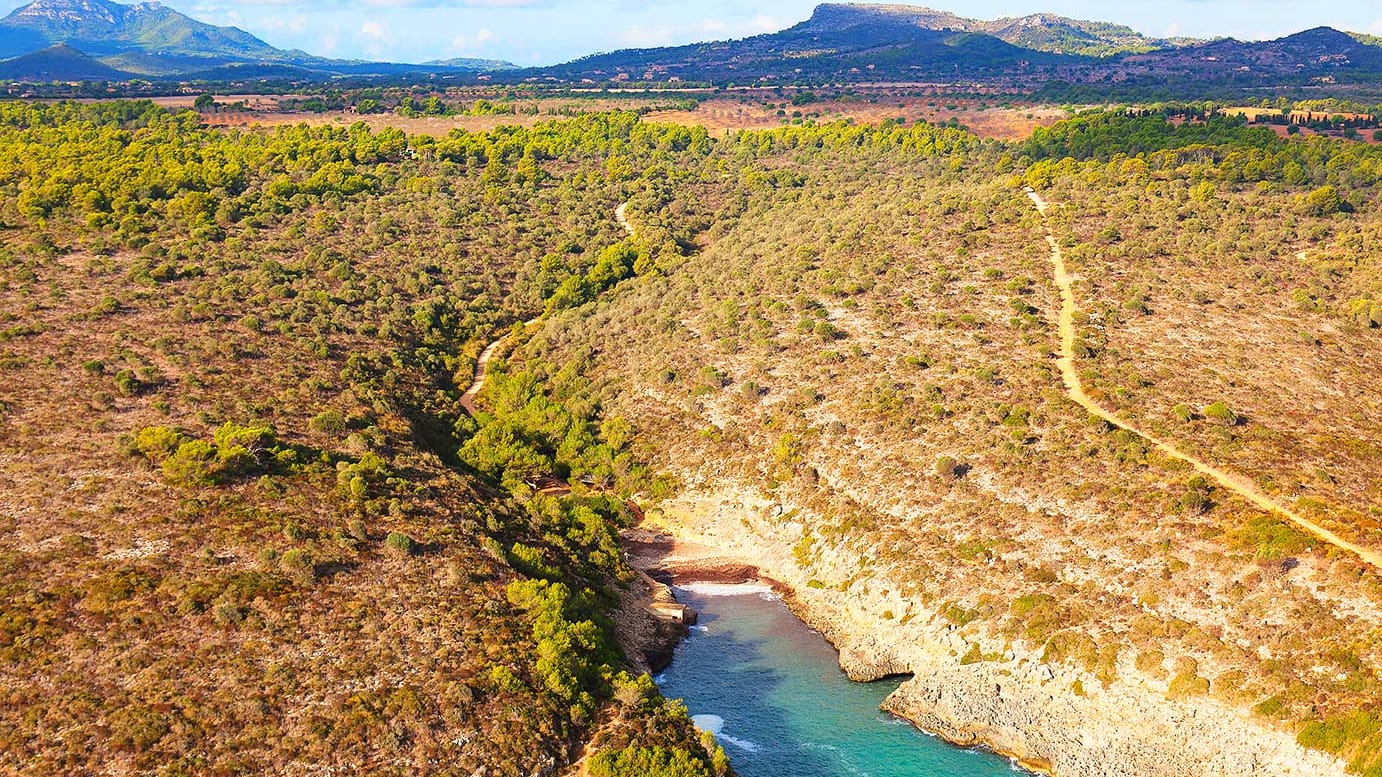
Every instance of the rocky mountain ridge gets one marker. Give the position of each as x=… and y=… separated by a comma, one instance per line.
x=150, y=39
x=1047, y=32
x=848, y=43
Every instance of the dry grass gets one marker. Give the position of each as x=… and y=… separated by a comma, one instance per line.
x=718, y=114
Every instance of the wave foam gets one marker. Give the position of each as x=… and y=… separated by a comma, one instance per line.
x=712, y=723
x=742, y=744
x=728, y=589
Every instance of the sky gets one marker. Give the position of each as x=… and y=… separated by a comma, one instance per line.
x=542, y=32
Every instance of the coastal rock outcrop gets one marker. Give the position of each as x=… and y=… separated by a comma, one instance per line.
x=1047, y=716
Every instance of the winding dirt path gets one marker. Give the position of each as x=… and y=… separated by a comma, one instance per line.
x=621, y=215
x=1075, y=389
x=481, y=369
x=482, y=364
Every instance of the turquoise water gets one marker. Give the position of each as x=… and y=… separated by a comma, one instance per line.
x=772, y=691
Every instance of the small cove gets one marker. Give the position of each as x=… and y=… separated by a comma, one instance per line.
x=771, y=690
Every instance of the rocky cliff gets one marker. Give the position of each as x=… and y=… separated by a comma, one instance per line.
x=1048, y=716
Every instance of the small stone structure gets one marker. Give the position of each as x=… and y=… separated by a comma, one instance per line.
x=674, y=612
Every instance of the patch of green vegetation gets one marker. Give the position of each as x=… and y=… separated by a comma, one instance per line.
x=1356, y=738
x=1187, y=684
x=1271, y=538
x=652, y=762
x=235, y=452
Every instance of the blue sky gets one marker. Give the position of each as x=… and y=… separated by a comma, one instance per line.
x=534, y=32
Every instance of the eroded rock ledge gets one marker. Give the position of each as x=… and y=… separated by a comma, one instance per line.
x=1016, y=705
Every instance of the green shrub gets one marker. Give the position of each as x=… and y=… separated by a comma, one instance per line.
x=1356, y=737
x=504, y=679
x=354, y=480
x=1196, y=498
x=127, y=384
x=1187, y=684
x=827, y=331
x=327, y=423
x=155, y=443
x=1335, y=733
x=973, y=656
x=945, y=467
x=1221, y=413
x=959, y=615
x=107, y=306
x=648, y=762
x=1367, y=312
x=400, y=543
x=297, y=563
x=1026, y=604
x=1322, y=201
x=194, y=463
x=529, y=561
x=1270, y=538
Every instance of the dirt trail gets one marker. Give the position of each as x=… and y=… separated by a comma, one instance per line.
x=1075, y=389
x=481, y=368
x=621, y=215
x=482, y=364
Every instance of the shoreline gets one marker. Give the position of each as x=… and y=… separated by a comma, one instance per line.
x=715, y=567
x=1018, y=706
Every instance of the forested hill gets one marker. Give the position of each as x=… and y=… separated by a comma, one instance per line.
x=839, y=43
x=152, y=40
x=898, y=43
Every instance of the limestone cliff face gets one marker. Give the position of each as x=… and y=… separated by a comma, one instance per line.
x=1049, y=716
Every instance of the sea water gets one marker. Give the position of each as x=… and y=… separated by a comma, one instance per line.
x=772, y=692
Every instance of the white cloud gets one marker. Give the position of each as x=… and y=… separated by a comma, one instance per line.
x=291, y=25
x=468, y=44
x=640, y=36
x=374, y=30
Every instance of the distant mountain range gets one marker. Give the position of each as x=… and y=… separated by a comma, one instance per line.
x=893, y=43
x=1039, y=32
x=73, y=40
x=104, y=40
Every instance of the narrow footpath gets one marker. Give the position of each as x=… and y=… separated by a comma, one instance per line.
x=482, y=364
x=1075, y=389
x=481, y=367
x=621, y=215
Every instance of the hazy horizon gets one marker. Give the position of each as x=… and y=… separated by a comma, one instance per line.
x=544, y=32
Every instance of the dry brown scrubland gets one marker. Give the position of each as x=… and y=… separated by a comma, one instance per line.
x=875, y=354
x=332, y=595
